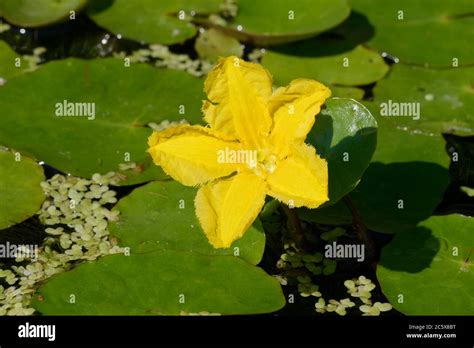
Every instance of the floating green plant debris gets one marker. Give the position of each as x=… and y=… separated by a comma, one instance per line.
x=4, y=27
x=162, y=57
x=75, y=210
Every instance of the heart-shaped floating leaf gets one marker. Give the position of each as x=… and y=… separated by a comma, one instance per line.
x=284, y=21
x=444, y=99
x=11, y=63
x=160, y=215
x=405, y=182
x=20, y=192
x=430, y=270
x=345, y=134
x=161, y=283
x=115, y=101
x=423, y=32
x=328, y=60
x=37, y=13
x=151, y=21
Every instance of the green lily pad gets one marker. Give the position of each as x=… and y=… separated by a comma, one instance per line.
x=396, y=191
x=430, y=270
x=345, y=134
x=37, y=13
x=212, y=44
x=261, y=23
x=8, y=68
x=161, y=283
x=327, y=60
x=425, y=32
x=20, y=190
x=398, y=144
x=161, y=215
x=151, y=21
x=445, y=98
x=125, y=100
x=347, y=92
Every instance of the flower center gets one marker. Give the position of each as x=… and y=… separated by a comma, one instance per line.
x=266, y=163
x=270, y=163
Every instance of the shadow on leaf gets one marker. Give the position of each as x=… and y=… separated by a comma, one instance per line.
x=411, y=251
x=397, y=196
x=345, y=37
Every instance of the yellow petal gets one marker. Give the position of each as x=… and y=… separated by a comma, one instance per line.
x=191, y=154
x=227, y=208
x=301, y=179
x=294, y=109
x=238, y=92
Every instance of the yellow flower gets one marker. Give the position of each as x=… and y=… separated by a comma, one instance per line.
x=253, y=147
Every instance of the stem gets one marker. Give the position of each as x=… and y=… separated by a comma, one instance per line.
x=360, y=228
x=295, y=226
